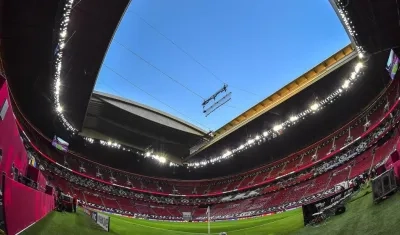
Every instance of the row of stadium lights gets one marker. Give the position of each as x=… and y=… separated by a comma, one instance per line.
x=348, y=23
x=115, y=145
x=258, y=139
x=279, y=128
x=58, y=65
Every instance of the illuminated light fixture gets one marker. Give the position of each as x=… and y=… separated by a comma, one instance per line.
x=265, y=133
x=353, y=75
x=277, y=127
x=293, y=118
x=147, y=154
x=346, y=84
x=258, y=137
x=90, y=140
x=358, y=67
x=162, y=159
x=227, y=154
x=360, y=55
x=59, y=109
x=250, y=141
x=241, y=147
x=314, y=106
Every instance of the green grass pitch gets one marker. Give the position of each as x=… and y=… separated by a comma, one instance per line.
x=361, y=217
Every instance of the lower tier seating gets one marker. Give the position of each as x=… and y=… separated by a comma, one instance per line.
x=274, y=200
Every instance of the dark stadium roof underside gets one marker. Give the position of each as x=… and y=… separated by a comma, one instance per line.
x=29, y=40
x=376, y=23
x=138, y=126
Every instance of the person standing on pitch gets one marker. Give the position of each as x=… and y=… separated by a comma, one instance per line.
x=74, y=202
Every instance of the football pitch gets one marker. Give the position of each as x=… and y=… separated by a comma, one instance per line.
x=361, y=217
x=80, y=223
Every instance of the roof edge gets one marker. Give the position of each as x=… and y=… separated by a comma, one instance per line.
x=154, y=110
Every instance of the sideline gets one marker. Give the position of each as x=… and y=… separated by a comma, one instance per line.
x=183, y=232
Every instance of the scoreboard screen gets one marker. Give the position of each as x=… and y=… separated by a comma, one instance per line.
x=392, y=64
x=60, y=144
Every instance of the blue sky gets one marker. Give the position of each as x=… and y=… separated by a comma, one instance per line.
x=169, y=54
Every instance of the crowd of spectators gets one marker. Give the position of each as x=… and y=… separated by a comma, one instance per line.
x=288, y=173
x=270, y=172
x=350, y=152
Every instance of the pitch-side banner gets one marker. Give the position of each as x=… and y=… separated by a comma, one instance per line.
x=100, y=219
x=103, y=221
x=187, y=215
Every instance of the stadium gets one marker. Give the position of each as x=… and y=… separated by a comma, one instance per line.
x=319, y=155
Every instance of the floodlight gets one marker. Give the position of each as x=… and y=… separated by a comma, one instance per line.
x=59, y=109
x=353, y=75
x=358, y=66
x=346, y=84
x=162, y=159
x=278, y=127
x=314, y=106
x=293, y=118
